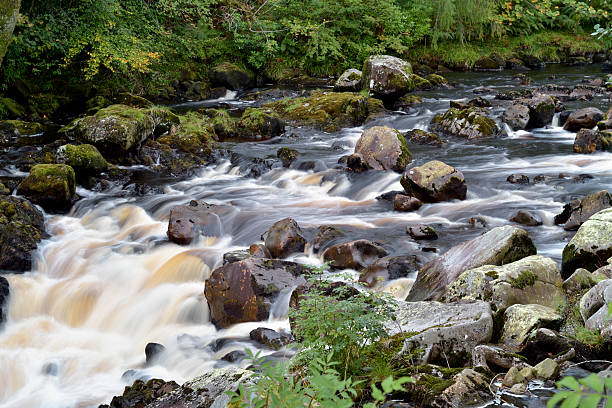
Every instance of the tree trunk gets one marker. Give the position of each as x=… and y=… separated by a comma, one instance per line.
x=9, y=9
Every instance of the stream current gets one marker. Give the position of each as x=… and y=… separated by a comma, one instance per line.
x=107, y=281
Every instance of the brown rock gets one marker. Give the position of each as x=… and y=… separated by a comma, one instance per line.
x=422, y=232
x=284, y=238
x=390, y=268
x=383, y=148
x=354, y=254
x=403, y=202
x=188, y=221
x=527, y=218
x=586, y=118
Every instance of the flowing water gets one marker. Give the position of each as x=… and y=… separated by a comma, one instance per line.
x=108, y=282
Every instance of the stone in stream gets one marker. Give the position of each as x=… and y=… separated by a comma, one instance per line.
x=421, y=232
x=244, y=291
x=547, y=369
x=531, y=280
x=422, y=137
x=518, y=179
x=434, y=182
x=484, y=354
x=231, y=76
x=152, y=352
x=52, y=186
x=141, y=394
x=521, y=320
x=22, y=227
x=284, y=238
x=591, y=247
x=354, y=254
x=189, y=221
x=326, y=236
x=516, y=116
x=383, y=148
x=589, y=140
x=606, y=122
x=403, y=202
x=260, y=123
x=586, y=118
x=527, y=218
x=386, y=77
x=270, y=338
x=576, y=212
x=287, y=155
x=470, y=123
x=390, y=268
x=259, y=251
x=4, y=298
x=499, y=246
x=349, y=81
x=513, y=377
x=541, y=110
x=445, y=333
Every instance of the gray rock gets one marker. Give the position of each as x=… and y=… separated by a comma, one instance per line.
x=186, y=222
x=383, y=148
x=521, y=320
x=527, y=218
x=387, y=77
x=578, y=211
x=390, y=268
x=591, y=247
x=468, y=385
x=498, y=246
x=541, y=110
x=349, y=81
x=595, y=299
x=586, y=118
x=581, y=279
x=483, y=355
x=516, y=116
x=434, y=181
x=470, y=123
x=547, y=369
x=531, y=280
x=512, y=377
x=445, y=332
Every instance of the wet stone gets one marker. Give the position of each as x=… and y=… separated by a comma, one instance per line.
x=518, y=179
x=422, y=232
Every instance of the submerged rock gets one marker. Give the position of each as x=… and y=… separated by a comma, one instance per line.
x=434, y=181
x=21, y=229
x=586, y=118
x=52, y=186
x=444, y=332
x=390, y=268
x=387, y=77
x=499, y=246
x=284, y=238
x=591, y=247
x=349, y=81
x=354, y=254
x=383, y=148
x=422, y=232
x=518, y=179
x=469, y=123
x=244, y=291
x=531, y=280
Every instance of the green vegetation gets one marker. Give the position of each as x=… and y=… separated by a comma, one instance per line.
x=526, y=278
x=586, y=392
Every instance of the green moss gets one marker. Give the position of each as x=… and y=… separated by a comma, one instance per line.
x=421, y=83
x=223, y=124
x=11, y=109
x=492, y=274
x=526, y=278
x=83, y=157
x=589, y=337
x=49, y=180
x=26, y=128
x=436, y=79
x=195, y=135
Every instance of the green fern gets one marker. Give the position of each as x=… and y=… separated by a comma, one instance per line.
x=587, y=392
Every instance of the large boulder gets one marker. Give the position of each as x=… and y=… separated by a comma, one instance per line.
x=354, y=254
x=469, y=123
x=85, y=159
x=258, y=123
x=52, y=186
x=383, y=148
x=198, y=218
x=22, y=227
x=118, y=129
x=284, y=238
x=586, y=118
x=499, y=246
x=522, y=320
x=541, y=110
x=434, y=181
x=387, y=77
x=516, y=116
x=444, y=333
x=589, y=140
x=531, y=280
x=576, y=212
x=349, y=81
x=591, y=247
x=244, y=291
x=231, y=76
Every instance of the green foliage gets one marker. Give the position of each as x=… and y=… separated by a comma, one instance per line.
x=586, y=392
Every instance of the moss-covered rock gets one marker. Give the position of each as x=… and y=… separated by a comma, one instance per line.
x=20, y=128
x=52, y=186
x=434, y=181
x=96, y=103
x=421, y=83
x=349, y=81
x=522, y=320
x=260, y=123
x=383, y=148
x=329, y=111
x=287, y=155
x=387, y=77
x=470, y=123
x=11, y=109
x=437, y=80
x=422, y=137
x=9, y=11
x=223, y=124
x=85, y=159
x=21, y=229
x=231, y=76
x=531, y=280
x=118, y=129
x=591, y=247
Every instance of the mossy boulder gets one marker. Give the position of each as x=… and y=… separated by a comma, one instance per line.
x=85, y=159
x=20, y=128
x=499, y=246
x=531, y=280
x=96, y=103
x=231, y=76
x=383, y=148
x=11, y=109
x=287, y=155
x=422, y=137
x=52, y=186
x=437, y=80
x=521, y=320
x=421, y=83
x=349, y=81
x=434, y=181
x=470, y=123
x=589, y=140
x=260, y=123
x=586, y=118
x=119, y=129
x=194, y=134
x=591, y=247
x=223, y=124
x=21, y=229
x=329, y=111
x=387, y=77
x=541, y=110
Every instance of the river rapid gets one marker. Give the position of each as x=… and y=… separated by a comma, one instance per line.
x=107, y=281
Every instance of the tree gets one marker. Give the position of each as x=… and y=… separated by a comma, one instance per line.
x=9, y=10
